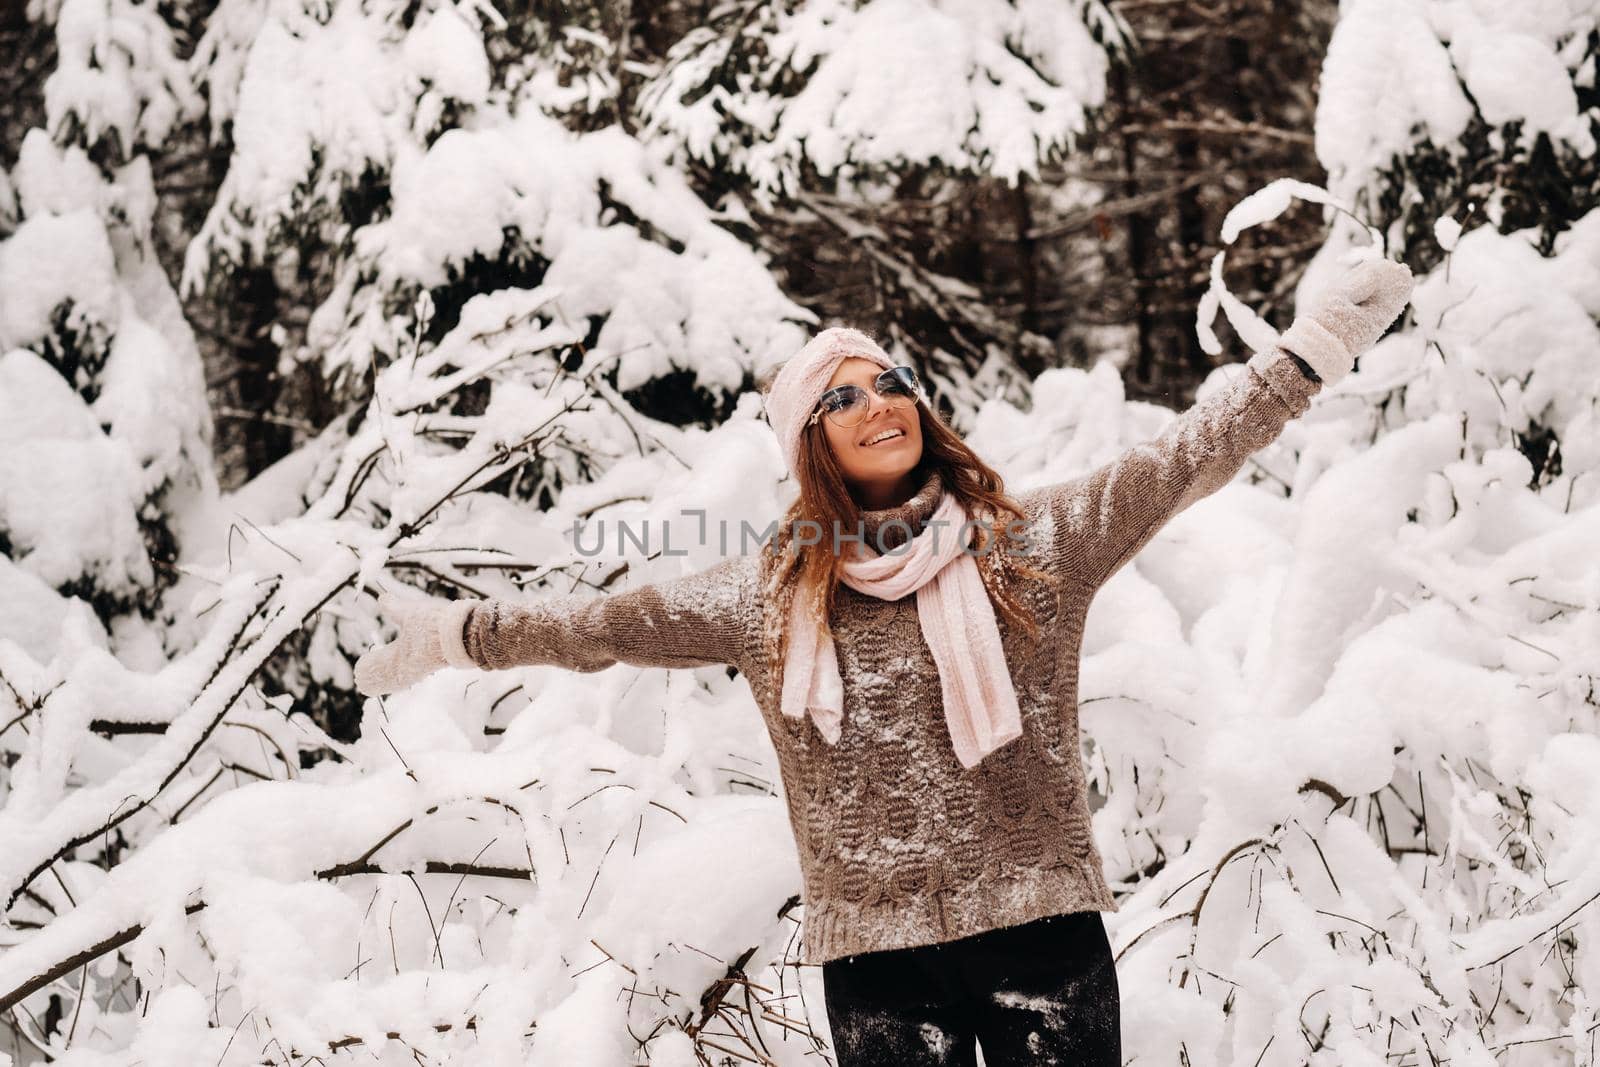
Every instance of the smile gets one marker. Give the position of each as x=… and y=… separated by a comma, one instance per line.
x=886, y=435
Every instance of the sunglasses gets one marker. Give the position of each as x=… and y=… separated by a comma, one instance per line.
x=847, y=405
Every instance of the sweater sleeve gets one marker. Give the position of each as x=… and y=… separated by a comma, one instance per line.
x=1097, y=522
x=690, y=621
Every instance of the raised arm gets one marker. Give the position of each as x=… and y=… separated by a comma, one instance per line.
x=1098, y=521
x=690, y=621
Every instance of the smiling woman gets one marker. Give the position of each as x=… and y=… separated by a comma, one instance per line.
x=869, y=420
x=922, y=698
x=856, y=431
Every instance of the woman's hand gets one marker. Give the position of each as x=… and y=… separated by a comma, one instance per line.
x=429, y=640
x=1348, y=318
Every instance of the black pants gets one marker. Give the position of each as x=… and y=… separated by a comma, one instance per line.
x=1043, y=992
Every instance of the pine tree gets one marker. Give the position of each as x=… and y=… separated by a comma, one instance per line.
x=102, y=379
x=1489, y=123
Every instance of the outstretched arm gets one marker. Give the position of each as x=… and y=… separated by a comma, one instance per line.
x=690, y=621
x=1098, y=521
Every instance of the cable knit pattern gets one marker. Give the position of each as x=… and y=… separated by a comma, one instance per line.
x=898, y=845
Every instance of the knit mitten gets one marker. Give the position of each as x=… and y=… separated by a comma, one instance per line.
x=1348, y=317
x=430, y=640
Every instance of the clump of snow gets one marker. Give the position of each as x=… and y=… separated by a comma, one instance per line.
x=447, y=53
x=1447, y=231
x=1514, y=75
x=71, y=494
x=1270, y=201
x=56, y=260
x=709, y=308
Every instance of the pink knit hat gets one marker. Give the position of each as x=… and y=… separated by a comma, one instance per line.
x=804, y=378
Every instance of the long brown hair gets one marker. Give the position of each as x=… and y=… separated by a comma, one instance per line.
x=813, y=570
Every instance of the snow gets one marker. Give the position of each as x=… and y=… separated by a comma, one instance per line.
x=147, y=395
x=52, y=180
x=1262, y=206
x=981, y=84
x=1506, y=313
x=85, y=458
x=1257, y=334
x=72, y=494
x=1515, y=76
x=443, y=50
x=280, y=126
x=55, y=260
x=710, y=307
x=117, y=72
x=36, y=614
x=1447, y=231
x=1267, y=203
x=1387, y=81
x=684, y=295
x=1388, y=605
x=1399, y=71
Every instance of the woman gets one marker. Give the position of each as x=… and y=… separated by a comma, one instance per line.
x=928, y=746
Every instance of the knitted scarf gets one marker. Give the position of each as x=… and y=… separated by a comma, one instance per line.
x=958, y=622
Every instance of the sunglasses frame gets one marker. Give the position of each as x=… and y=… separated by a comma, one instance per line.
x=898, y=372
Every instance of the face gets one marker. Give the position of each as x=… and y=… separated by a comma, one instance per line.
x=876, y=472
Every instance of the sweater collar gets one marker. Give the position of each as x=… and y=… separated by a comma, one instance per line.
x=914, y=511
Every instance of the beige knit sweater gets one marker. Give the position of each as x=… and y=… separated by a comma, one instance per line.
x=899, y=845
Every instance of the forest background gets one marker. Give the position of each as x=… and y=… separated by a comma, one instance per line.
x=298, y=295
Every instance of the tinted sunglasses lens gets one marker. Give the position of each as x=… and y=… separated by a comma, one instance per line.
x=846, y=405
x=900, y=381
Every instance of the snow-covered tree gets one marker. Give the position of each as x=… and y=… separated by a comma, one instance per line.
x=104, y=429
x=233, y=867
x=1348, y=820
x=1356, y=819
x=371, y=149
x=865, y=135
x=1486, y=119
x=777, y=93
x=513, y=278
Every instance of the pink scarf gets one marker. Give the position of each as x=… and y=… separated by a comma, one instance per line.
x=980, y=705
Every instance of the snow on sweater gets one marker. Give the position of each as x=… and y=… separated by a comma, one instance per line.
x=898, y=844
